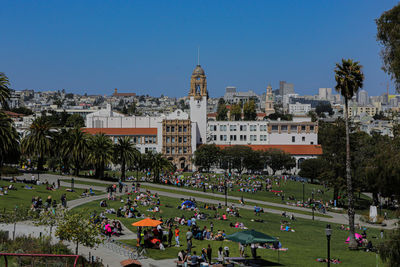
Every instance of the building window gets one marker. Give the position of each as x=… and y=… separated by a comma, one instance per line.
x=232, y=137
x=184, y=129
x=311, y=143
x=243, y=137
x=274, y=128
x=243, y=128
x=180, y=139
x=184, y=150
x=263, y=137
x=253, y=137
x=168, y=129
x=167, y=141
x=172, y=139
x=311, y=128
x=222, y=128
x=293, y=139
x=167, y=150
x=214, y=137
x=184, y=139
x=213, y=128
x=283, y=128
x=154, y=140
x=232, y=128
x=303, y=139
x=263, y=128
x=172, y=129
x=172, y=150
x=180, y=150
x=180, y=129
x=303, y=127
x=253, y=128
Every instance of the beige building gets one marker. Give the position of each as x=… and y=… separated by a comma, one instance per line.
x=269, y=101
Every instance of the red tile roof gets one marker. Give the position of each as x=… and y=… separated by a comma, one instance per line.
x=212, y=115
x=122, y=131
x=13, y=114
x=291, y=149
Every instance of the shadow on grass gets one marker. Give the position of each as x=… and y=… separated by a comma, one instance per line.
x=261, y=262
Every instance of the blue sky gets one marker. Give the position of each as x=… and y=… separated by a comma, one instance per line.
x=150, y=47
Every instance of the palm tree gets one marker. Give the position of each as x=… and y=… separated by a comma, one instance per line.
x=4, y=90
x=124, y=152
x=59, y=154
x=38, y=140
x=100, y=153
x=76, y=146
x=158, y=164
x=9, y=138
x=349, y=78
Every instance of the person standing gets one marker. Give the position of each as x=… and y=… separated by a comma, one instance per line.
x=58, y=184
x=241, y=250
x=169, y=235
x=177, y=237
x=209, y=254
x=254, y=250
x=211, y=227
x=189, y=236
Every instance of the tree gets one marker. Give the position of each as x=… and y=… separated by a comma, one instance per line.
x=158, y=164
x=234, y=157
x=207, y=156
x=222, y=111
x=75, y=121
x=124, y=152
x=322, y=108
x=9, y=138
x=349, y=78
x=236, y=112
x=77, y=147
x=4, y=90
x=78, y=229
x=22, y=110
x=279, y=160
x=249, y=111
x=389, y=249
x=100, y=153
x=388, y=36
x=312, y=168
x=37, y=142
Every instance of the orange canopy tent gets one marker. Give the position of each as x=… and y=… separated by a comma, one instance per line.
x=147, y=222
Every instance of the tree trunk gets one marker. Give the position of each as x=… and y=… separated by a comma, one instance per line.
x=76, y=248
x=40, y=163
x=123, y=170
x=350, y=211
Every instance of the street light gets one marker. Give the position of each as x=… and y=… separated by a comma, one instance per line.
x=328, y=232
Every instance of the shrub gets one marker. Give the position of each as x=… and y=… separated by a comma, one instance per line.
x=8, y=170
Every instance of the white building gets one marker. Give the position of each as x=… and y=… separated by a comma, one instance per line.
x=299, y=109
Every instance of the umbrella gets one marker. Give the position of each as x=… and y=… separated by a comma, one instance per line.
x=147, y=222
x=188, y=203
x=130, y=263
x=251, y=236
x=357, y=235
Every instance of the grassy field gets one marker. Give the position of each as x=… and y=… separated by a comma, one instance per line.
x=22, y=197
x=307, y=243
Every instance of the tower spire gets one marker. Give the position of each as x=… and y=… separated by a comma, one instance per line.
x=198, y=55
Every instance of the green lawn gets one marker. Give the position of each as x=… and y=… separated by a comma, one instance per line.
x=85, y=182
x=23, y=197
x=307, y=243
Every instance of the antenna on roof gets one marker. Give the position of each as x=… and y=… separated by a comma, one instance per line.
x=198, y=55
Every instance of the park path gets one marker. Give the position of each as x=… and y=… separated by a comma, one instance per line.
x=338, y=218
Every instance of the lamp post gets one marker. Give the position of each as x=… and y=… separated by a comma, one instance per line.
x=303, y=192
x=328, y=232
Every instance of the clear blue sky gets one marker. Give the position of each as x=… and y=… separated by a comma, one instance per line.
x=150, y=47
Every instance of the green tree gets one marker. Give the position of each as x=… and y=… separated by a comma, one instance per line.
x=158, y=164
x=236, y=112
x=321, y=108
x=78, y=229
x=207, y=156
x=4, y=90
x=235, y=157
x=76, y=146
x=222, y=111
x=349, y=78
x=124, y=153
x=100, y=153
x=388, y=36
x=9, y=138
x=249, y=111
x=312, y=168
x=75, y=120
x=279, y=160
x=37, y=142
x=389, y=249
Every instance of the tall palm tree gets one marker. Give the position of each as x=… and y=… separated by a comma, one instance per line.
x=100, y=153
x=76, y=146
x=37, y=142
x=4, y=90
x=349, y=78
x=59, y=154
x=124, y=152
x=158, y=164
x=9, y=138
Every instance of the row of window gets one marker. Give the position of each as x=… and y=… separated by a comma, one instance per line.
x=180, y=129
x=173, y=150
x=253, y=128
x=179, y=139
x=141, y=139
x=150, y=149
x=224, y=137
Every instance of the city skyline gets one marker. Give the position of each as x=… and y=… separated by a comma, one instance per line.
x=152, y=48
